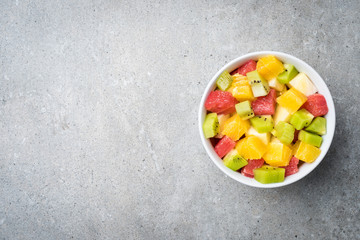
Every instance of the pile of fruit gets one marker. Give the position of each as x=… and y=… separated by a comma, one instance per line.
x=265, y=119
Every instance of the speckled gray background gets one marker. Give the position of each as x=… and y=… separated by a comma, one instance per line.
x=98, y=120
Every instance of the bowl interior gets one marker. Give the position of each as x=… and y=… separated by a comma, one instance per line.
x=305, y=168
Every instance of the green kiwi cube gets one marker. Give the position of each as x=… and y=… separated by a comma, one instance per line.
x=310, y=138
x=224, y=81
x=262, y=124
x=259, y=86
x=211, y=125
x=268, y=174
x=285, y=132
x=318, y=126
x=287, y=75
x=301, y=119
x=234, y=161
x=244, y=110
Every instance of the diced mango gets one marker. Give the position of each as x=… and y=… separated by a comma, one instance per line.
x=278, y=154
x=291, y=100
x=235, y=127
x=251, y=147
x=295, y=147
x=269, y=67
x=306, y=152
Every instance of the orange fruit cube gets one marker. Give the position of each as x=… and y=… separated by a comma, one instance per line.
x=251, y=147
x=269, y=67
x=306, y=152
x=235, y=127
x=291, y=100
x=243, y=93
x=240, y=88
x=278, y=154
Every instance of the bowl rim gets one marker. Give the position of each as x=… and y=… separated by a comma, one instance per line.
x=330, y=118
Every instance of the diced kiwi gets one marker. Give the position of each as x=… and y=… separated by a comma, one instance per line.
x=318, y=126
x=310, y=138
x=244, y=110
x=262, y=124
x=268, y=174
x=234, y=161
x=224, y=81
x=211, y=125
x=287, y=75
x=285, y=132
x=259, y=85
x=301, y=119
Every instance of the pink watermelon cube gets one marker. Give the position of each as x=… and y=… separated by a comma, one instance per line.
x=247, y=171
x=220, y=102
x=265, y=105
x=249, y=66
x=224, y=146
x=316, y=105
x=292, y=168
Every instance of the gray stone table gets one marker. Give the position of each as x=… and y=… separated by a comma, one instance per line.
x=98, y=119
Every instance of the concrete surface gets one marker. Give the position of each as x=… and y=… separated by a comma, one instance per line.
x=98, y=120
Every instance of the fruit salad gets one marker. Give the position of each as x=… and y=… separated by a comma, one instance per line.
x=265, y=119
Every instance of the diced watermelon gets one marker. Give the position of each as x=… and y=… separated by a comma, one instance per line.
x=224, y=146
x=246, y=174
x=296, y=134
x=265, y=105
x=249, y=66
x=220, y=102
x=228, y=111
x=316, y=105
x=292, y=168
x=247, y=171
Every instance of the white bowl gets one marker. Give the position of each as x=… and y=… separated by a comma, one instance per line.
x=305, y=168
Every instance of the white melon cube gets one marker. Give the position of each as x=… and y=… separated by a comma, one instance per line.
x=274, y=83
x=281, y=114
x=264, y=137
x=303, y=84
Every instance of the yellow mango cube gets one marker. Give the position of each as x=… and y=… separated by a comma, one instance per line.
x=251, y=147
x=235, y=127
x=295, y=147
x=269, y=67
x=278, y=154
x=291, y=100
x=306, y=152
